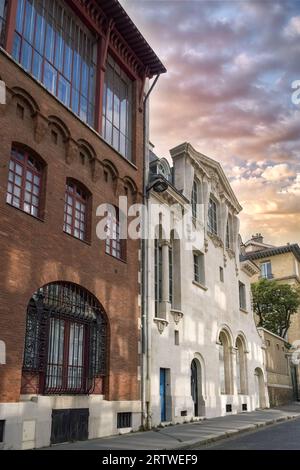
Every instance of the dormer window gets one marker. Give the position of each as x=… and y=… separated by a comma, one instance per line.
x=213, y=217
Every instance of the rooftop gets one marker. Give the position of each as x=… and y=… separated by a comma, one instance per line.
x=133, y=37
x=273, y=251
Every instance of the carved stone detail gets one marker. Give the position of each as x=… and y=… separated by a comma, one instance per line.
x=216, y=240
x=161, y=324
x=177, y=315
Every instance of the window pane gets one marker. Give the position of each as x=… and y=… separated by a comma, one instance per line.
x=50, y=78
x=117, y=108
x=52, y=44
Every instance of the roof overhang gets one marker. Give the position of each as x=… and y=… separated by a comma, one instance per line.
x=133, y=37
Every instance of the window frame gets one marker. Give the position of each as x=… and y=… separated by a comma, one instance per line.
x=157, y=274
x=212, y=222
x=195, y=199
x=115, y=247
x=115, y=69
x=13, y=176
x=242, y=296
x=57, y=44
x=267, y=274
x=77, y=199
x=199, y=267
x=65, y=303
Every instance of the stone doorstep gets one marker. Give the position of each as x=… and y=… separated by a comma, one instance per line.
x=211, y=439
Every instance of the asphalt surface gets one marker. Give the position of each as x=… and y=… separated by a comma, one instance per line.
x=281, y=436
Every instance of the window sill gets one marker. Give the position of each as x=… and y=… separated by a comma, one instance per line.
x=116, y=258
x=243, y=310
x=198, y=284
x=86, y=242
x=26, y=213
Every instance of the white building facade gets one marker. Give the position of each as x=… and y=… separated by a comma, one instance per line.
x=204, y=355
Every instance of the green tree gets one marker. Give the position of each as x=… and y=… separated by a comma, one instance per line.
x=274, y=305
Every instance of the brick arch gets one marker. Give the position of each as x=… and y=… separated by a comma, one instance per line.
x=131, y=184
x=57, y=124
x=20, y=93
x=65, y=303
x=87, y=148
x=111, y=167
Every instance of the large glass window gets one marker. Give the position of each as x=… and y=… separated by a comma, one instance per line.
x=3, y=9
x=54, y=46
x=24, y=182
x=117, y=109
x=76, y=210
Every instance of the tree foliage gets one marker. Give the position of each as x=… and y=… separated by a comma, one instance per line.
x=274, y=305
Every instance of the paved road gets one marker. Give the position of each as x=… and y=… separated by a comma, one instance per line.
x=283, y=436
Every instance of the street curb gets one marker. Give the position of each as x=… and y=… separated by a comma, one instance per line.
x=255, y=426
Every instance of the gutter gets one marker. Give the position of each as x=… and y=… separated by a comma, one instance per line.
x=146, y=327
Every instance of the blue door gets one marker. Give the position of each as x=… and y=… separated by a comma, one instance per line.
x=163, y=394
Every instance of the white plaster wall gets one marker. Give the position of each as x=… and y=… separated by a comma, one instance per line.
x=205, y=312
x=28, y=423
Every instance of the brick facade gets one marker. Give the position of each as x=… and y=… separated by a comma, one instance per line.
x=36, y=252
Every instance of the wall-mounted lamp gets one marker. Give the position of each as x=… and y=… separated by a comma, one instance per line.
x=158, y=184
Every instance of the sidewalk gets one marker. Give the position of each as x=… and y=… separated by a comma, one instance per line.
x=185, y=436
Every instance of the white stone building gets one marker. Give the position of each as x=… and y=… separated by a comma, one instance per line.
x=204, y=355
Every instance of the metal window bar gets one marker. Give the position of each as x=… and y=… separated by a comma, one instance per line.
x=124, y=420
x=66, y=337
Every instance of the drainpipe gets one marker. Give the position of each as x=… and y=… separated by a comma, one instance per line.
x=146, y=326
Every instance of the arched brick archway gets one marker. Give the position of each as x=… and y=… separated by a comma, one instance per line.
x=65, y=341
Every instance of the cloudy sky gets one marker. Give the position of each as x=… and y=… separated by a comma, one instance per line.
x=228, y=91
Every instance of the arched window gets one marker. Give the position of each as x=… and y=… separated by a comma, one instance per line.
x=66, y=339
x=225, y=364
x=76, y=210
x=25, y=180
x=241, y=369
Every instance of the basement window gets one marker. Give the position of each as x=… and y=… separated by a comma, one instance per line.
x=228, y=408
x=2, y=426
x=124, y=420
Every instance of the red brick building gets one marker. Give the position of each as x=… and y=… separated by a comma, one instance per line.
x=71, y=138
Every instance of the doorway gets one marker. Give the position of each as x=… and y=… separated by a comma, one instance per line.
x=196, y=388
x=260, y=397
x=165, y=395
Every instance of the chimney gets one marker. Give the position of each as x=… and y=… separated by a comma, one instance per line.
x=258, y=238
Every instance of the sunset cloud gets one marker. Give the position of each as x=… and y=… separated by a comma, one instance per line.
x=228, y=91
